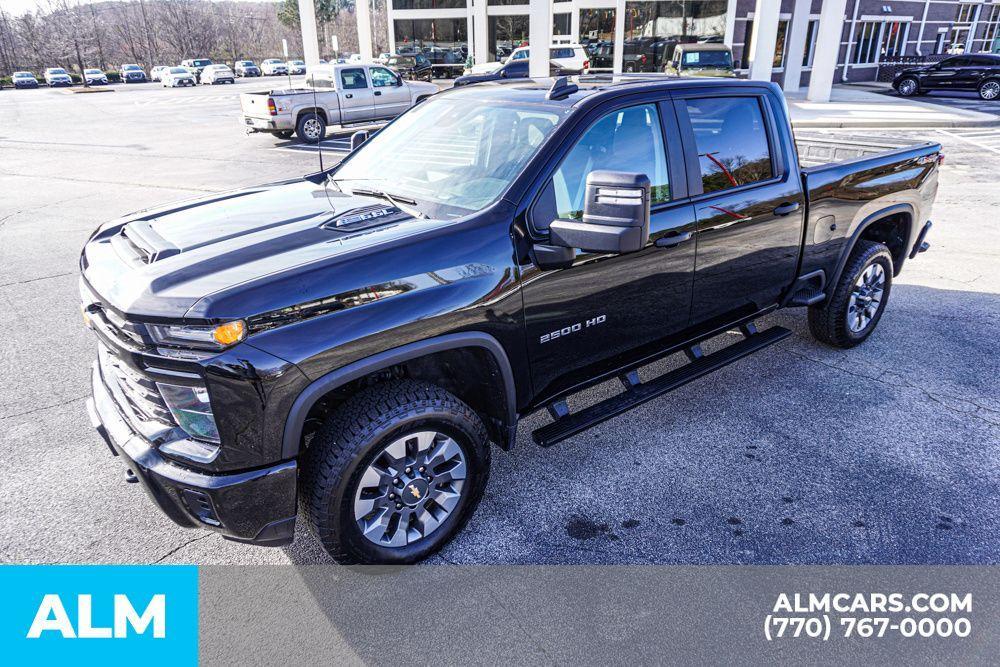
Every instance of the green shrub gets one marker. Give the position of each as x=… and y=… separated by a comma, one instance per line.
x=114, y=77
x=75, y=78
x=6, y=81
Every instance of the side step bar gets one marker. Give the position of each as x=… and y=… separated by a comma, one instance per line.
x=568, y=424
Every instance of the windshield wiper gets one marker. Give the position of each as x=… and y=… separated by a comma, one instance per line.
x=395, y=200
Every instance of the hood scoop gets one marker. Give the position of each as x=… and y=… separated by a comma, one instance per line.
x=365, y=217
x=137, y=243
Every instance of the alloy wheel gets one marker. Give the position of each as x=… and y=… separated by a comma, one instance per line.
x=990, y=90
x=410, y=488
x=866, y=297
x=313, y=129
x=907, y=87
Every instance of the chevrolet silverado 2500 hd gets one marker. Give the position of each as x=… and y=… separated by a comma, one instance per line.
x=355, y=342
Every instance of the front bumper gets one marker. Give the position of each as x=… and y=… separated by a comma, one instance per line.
x=257, y=506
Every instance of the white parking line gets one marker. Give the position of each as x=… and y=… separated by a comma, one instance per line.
x=961, y=136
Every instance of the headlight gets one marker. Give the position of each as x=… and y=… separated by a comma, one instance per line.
x=191, y=410
x=205, y=337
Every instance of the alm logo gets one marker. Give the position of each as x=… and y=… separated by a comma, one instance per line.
x=52, y=617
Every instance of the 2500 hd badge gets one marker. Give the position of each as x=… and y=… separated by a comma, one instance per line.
x=573, y=328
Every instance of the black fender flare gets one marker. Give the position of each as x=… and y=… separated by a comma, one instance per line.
x=295, y=421
x=866, y=223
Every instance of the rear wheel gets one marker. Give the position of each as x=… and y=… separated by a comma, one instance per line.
x=859, y=298
x=311, y=128
x=394, y=473
x=989, y=90
x=908, y=87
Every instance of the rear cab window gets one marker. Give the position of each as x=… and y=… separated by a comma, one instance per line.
x=353, y=79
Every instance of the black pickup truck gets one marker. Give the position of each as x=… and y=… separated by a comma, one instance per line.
x=356, y=341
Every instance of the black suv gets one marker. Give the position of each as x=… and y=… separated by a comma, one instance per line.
x=978, y=72
x=355, y=342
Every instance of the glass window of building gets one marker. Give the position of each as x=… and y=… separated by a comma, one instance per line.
x=654, y=27
x=626, y=140
x=597, y=36
x=506, y=33
x=562, y=24
x=732, y=142
x=428, y=4
x=779, y=44
x=441, y=41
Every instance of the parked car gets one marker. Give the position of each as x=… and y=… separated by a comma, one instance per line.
x=979, y=72
x=196, y=66
x=513, y=69
x=365, y=339
x=412, y=67
x=213, y=74
x=338, y=95
x=633, y=58
x=702, y=59
x=24, y=80
x=95, y=77
x=156, y=74
x=570, y=57
x=176, y=77
x=132, y=73
x=246, y=68
x=57, y=76
x=296, y=66
x=383, y=58
x=273, y=67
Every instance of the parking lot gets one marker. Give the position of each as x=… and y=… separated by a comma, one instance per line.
x=887, y=453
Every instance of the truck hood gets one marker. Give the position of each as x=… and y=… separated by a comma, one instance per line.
x=181, y=260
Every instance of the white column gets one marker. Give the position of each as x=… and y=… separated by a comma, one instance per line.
x=364, y=16
x=796, y=46
x=574, y=23
x=470, y=30
x=730, y=22
x=765, y=39
x=619, y=47
x=310, y=36
x=539, y=36
x=390, y=20
x=828, y=36
x=481, y=54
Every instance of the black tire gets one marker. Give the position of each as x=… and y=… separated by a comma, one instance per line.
x=828, y=323
x=351, y=438
x=285, y=134
x=303, y=131
x=989, y=90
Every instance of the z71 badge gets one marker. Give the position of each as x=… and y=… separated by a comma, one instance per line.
x=573, y=328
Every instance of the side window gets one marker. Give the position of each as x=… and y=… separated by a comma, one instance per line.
x=352, y=79
x=626, y=140
x=731, y=139
x=381, y=77
x=520, y=55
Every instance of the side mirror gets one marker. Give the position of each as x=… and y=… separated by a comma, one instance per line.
x=358, y=138
x=503, y=73
x=615, y=215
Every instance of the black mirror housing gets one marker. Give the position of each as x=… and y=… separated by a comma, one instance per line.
x=358, y=138
x=615, y=215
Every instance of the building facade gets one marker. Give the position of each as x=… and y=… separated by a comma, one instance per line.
x=639, y=35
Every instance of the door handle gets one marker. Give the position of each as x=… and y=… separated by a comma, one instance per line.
x=349, y=95
x=786, y=208
x=673, y=240
x=377, y=93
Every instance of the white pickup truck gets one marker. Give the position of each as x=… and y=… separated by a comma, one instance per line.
x=344, y=94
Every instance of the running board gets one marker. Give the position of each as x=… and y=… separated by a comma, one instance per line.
x=568, y=424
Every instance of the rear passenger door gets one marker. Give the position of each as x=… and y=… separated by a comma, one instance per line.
x=748, y=202
x=945, y=73
x=357, y=100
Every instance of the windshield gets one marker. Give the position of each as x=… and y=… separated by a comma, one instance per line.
x=92, y=71
x=451, y=156
x=129, y=68
x=202, y=63
x=298, y=62
x=246, y=63
x=406, y=62
x=178, y=70
x=23, y=75
x=57, y=70
x=708, y=59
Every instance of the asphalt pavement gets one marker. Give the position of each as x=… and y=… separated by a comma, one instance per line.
x=887, y=453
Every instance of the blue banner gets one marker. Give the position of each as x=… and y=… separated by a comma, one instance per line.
x=85, y=614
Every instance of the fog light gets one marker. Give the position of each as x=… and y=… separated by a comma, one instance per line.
x=191, y=409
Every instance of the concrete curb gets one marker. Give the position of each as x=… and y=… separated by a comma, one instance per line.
x=915, y=124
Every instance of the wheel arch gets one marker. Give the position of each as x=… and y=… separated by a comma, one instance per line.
x=876, y=226
x=426, y=359
x=316, y=110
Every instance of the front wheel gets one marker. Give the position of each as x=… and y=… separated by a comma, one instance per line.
x=908, y=87
x=394, y=473
x=859, y=298
x=311, y=128
x=989, y=90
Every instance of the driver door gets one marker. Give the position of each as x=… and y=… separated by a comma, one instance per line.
x=945, y=74
x=357, y=100
x=606, y=311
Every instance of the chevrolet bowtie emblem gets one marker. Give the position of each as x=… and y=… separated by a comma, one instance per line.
x=415, y=491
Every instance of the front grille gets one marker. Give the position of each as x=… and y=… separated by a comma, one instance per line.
x=141, y=393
